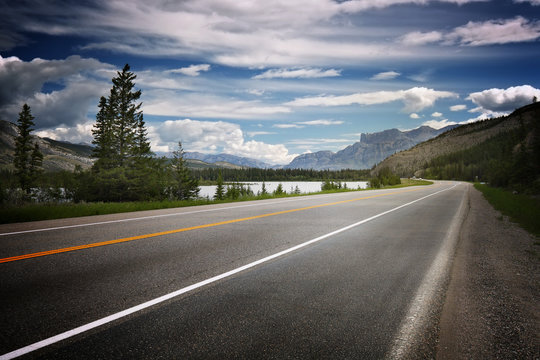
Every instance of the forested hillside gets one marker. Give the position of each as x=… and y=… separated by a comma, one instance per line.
x=504, y=152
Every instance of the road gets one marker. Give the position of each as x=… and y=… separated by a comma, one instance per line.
x=346, y=275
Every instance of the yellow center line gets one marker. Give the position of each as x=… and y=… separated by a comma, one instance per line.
x=169, y=232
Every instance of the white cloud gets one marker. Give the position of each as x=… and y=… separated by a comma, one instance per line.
x=438, y=124
x=192, y=70
x=491, y=32
x=499, y=31
x=414, y=99
x=414, y=116
x=387, y=75
x=417, y=38
x=437, y=114
x=504, y=100
x=257, y=133
x=222, y=137
x=321, y=122
x=458, y=107
x=298, y=73
x=80, y=133
x=287, y=126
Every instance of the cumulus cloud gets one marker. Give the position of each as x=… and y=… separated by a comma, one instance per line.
x=414, y=116
x=78, y=134
x=438, y=124
x=504, y=100
x=80, y=81
x=298, y=73
x=437, y=114
x=458, y=107
x=222, y=137
x=387, y=75
x=192, y=70
x=414, y=99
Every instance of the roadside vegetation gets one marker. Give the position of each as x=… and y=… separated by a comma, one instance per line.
x=231, y=193
x=520, y=208
x=509, y=160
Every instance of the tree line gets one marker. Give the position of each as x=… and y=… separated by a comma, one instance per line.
x=509, y=160
x=260, y=174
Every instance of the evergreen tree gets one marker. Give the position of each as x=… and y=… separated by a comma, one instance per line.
x=119, y=134
x=125, y=168
x=28, y=158
x=103, y=136
x=220, y=189
x=184, y=186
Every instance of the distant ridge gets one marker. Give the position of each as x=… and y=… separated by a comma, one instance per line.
x=371, y=149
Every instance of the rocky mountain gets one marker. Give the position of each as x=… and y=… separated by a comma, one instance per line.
x=412, y=161
x=57, y=155
x=371, y=149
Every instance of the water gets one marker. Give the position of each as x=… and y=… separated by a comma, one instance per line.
x=288, y=186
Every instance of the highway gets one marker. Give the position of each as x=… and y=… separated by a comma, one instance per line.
x=346, y=275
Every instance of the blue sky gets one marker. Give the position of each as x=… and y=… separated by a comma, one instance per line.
x=269, y=79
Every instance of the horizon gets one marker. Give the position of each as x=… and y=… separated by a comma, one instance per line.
x=274, y=80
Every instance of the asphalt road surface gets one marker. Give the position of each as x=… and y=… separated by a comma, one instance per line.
x=346, y=275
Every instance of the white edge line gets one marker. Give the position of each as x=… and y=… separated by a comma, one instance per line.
x=308, y=197
x=81, y=329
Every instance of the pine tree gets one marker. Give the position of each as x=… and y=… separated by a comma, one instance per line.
x=119, y=134
x=28, y=158
x=184, y=186
x=125, y=168
x=220, y=189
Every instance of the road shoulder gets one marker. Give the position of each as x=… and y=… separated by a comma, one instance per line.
x=491, y=307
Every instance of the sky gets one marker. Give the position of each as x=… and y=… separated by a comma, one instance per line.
x=269, y=79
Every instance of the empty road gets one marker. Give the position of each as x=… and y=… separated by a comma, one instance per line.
x=346, y=275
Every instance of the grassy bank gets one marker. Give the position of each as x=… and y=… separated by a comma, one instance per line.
x=36, y=212
x=521, y=209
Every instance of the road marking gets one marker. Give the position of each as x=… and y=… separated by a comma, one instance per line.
x=418, y=317
x=169, y=232
x=137, y=308
x=147, y=217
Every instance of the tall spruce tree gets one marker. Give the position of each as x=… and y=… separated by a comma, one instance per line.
x=124, y=166
x=120, y=136
x=28, y=158
x=184, y=186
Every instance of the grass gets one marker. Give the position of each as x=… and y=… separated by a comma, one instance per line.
x=36, y=212
x=521, y=209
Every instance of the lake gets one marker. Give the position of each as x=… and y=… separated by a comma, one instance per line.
x=288, y=186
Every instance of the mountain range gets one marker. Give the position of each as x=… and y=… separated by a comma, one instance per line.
x=371, y=149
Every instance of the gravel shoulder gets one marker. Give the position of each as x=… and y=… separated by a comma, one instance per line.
x=492, y=308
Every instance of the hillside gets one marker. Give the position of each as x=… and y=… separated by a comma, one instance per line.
x=57, y=155
x=476, y=150
x=371, y=149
